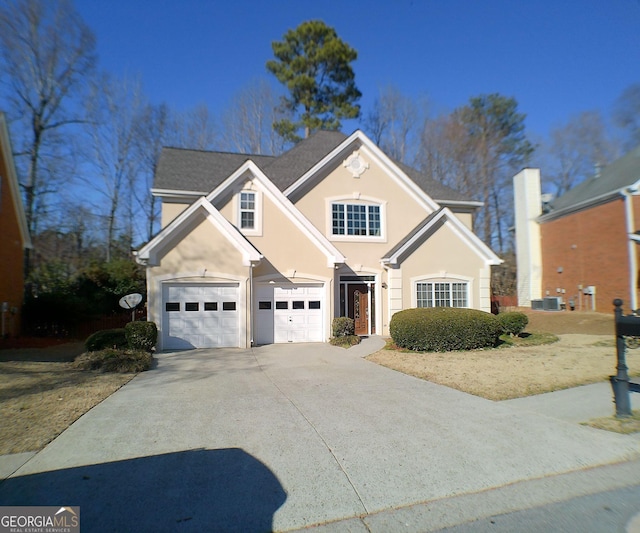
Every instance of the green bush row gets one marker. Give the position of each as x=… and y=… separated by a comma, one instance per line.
x=444, y=329
x=140, y=335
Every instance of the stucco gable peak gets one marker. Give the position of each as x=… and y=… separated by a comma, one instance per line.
x=422, y=231
x=148, y=254
x=351, y=149
x=249, y=170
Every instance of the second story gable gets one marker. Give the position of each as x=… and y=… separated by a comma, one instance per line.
x=348, y=189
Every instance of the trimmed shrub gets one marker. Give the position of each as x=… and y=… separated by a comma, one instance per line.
x=513, y=322
x=141, y=335
x=106, y=338
x=112, y=360
x=444, y=329
x=343, y=326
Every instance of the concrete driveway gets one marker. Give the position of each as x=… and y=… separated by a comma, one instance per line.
x=286, y=436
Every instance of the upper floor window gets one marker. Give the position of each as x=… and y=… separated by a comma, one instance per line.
x=355, y=219
x=442, y=294
x=247, y=210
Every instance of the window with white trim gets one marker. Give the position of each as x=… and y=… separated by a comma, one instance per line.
x=247, y=210
x=442, y=294
x=355, y=219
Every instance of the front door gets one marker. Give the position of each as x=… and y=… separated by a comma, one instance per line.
x=359, y=308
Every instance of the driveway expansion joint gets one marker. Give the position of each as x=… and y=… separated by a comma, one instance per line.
x=322, y=439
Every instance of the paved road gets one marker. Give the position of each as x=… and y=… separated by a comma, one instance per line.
x=287, y=436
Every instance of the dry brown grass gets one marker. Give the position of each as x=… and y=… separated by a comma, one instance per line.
x=39, y=400
x=585, y=353
x=507, y=373
x=619, y=425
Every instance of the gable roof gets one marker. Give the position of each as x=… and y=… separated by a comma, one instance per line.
x=612, y=180
x=12, y=178
x=148, y=254
x=183, y=172
x=332, y=254
x=429, y=226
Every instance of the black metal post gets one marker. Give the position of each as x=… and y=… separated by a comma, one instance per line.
x=620, y=382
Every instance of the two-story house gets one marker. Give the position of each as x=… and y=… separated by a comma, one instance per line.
x=14, y=240
x=261, y=249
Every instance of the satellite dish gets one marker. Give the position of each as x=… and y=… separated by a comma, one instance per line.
x=130, y=301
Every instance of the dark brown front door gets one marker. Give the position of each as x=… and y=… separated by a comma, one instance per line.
x=359, y=308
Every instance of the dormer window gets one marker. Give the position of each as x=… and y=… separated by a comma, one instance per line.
x=247, y=210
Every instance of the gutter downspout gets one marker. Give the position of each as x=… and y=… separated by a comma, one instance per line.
x=631, y=245
x=251, y=310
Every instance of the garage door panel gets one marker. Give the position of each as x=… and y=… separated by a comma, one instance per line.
x=198, y=320
x=285, y=314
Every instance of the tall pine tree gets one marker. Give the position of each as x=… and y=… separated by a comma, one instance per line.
x=315, y=65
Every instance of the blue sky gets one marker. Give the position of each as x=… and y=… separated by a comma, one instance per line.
x=556, y=58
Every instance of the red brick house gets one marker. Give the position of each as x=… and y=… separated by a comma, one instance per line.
x=15, y=238
x=581, y=247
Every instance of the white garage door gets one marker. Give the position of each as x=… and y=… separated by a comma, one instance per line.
x=291, y=313
x=200, y=316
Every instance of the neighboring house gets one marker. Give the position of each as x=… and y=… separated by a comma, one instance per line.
x=260, y=249
x=14, y=240
x=582, y=247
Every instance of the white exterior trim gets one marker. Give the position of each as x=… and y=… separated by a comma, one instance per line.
x=474, y=243
x=150, y=251
x=370, y=150
x=283, y=203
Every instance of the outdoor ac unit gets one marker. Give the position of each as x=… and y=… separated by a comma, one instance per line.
x=537, y=305
x=552, y=303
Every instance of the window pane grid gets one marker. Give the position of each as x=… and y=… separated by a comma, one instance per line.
x=338, y=219
x=441, y=294
x=374, y=220
x=247, y=210
x=247, y=200
x=246, y=219
x=356, y=219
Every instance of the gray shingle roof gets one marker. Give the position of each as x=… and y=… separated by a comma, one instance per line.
x=194, y=170
x=621, y=173
x=291, y=165
x=433, y=188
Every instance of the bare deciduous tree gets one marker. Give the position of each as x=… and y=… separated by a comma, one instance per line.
x=46, y=52
x=394, y=123
x=576, y=149
x=115, y=107
x=195, y=129
x=626, y=115
x=155, y=129
x=248, y=122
